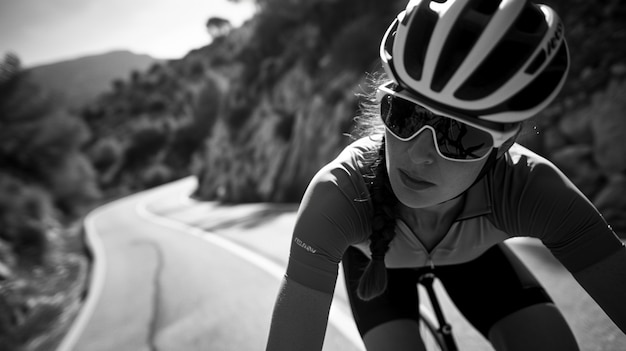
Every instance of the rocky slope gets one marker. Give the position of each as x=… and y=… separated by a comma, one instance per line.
x=283, y=114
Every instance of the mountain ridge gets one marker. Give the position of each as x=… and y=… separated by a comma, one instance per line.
x=75, y=82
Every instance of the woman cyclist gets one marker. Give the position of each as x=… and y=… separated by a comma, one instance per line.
x=436, y=179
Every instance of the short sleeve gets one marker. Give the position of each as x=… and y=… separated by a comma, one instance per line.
x=540, y=201
x=331, y=217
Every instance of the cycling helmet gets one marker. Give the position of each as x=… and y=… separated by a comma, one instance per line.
x=496, y=60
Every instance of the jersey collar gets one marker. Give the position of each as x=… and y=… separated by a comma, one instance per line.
x=477, y=200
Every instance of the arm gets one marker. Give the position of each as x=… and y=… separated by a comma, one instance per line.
x=549, y=206
x=605, y=282
x=329, y=220
x=300, y=318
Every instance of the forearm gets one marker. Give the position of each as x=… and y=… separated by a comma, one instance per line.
x=300, y=318
x=606, y=284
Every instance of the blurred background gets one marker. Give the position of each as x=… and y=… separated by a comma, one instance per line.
x=99, y=100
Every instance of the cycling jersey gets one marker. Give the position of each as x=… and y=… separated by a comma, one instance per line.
x=522, y=195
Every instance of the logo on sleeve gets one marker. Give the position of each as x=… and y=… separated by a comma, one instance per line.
x=304, y=245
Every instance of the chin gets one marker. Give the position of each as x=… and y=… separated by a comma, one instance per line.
x=418, y=202
x=415, y=199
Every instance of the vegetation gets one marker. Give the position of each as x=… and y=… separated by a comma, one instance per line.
x=45, y=181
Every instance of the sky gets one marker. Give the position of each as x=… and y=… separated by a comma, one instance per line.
x=47, y=31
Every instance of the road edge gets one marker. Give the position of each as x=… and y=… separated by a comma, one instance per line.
x=339, y=319
x=95, y=249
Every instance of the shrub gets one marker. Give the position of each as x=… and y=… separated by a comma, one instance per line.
x=24, y=211
x=155, y=175
x=105, y=153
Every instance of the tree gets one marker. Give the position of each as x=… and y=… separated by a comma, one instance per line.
x=104, y=154
x=146, y=142
x=9, y=67
x=218, y=27
x=40, y=144
x=24, y=212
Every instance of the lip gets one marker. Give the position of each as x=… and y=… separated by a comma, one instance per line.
x=414, y=183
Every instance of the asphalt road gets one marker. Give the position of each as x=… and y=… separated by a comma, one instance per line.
x=187, y=275
x=168, y=288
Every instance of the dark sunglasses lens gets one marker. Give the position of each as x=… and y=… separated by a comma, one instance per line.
x=455, y=139
x=460, y=141
x=403, y=117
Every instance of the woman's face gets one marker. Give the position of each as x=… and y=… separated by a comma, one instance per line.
x=420, y=177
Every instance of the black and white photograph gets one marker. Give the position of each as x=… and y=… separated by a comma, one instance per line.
x=315, y=175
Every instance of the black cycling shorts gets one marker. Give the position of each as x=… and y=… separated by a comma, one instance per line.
x=484, y=290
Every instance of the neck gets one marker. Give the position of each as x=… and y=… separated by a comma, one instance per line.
x=433, y=216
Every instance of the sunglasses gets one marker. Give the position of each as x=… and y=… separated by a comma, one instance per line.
x=455, y=139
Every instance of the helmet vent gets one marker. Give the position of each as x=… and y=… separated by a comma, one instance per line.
x=542, y=87
x=536, y=63
x=486, y=7
x=531, y=21
x=461, y=40
x=417, y=40
x=507, y=58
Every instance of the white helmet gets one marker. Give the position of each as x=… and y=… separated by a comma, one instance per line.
x=495, y=60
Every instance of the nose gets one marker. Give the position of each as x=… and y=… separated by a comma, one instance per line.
x=422, y=149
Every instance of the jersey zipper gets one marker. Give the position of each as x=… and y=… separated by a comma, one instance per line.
x=429, y=253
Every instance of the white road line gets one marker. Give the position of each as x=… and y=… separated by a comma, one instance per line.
x=339, y=319
x=96, y=283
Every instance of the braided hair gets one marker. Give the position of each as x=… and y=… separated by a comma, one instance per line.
x=373, y=281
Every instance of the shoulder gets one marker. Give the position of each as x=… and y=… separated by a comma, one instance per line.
x=348, y=169
x=520, y=156
x=359, y=154
x=529, y=193
x=333, y=214
x=530, y=196
x=338, y=193
x=521, y=167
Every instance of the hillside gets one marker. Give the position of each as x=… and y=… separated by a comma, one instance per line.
x=263, y=107
x=78, y=81
x=47, y=183
x=277, y=127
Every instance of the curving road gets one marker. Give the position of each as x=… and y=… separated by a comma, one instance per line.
x=186, y=275
x=163, y=289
